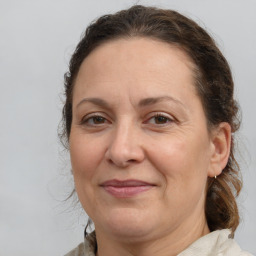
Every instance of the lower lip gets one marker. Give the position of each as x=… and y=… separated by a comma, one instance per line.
x=126, y=192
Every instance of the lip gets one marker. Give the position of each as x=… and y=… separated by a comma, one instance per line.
x=126, y=188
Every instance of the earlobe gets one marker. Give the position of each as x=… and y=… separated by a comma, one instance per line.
x=221, y=142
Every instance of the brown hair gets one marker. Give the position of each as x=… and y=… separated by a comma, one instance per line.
x=214, y=85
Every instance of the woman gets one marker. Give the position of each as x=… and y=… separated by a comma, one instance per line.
x=150, y=121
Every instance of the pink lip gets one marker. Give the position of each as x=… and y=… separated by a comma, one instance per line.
x=126, y=188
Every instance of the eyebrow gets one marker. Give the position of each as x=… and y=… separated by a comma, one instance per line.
x=95, y=101
x=142, y=103
x=153, y=100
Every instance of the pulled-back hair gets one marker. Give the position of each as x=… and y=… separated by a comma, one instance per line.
x=213, y=82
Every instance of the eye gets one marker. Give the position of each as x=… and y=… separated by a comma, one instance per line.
x=94, y=120
x=160, y=119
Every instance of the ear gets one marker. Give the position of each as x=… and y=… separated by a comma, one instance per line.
x=221, y=142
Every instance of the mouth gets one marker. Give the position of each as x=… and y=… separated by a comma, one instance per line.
x=126, y=188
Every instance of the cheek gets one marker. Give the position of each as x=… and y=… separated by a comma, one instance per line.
x=183, y=161
x=184, y=171
x=86, y=155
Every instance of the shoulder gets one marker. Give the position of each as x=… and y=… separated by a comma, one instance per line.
x=227, y=246
x=87, y=248
x=217, y=243
x=78, y=251
x=234, y=249
x=244, y=253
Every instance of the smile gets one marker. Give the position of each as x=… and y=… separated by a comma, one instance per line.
x=126, y=188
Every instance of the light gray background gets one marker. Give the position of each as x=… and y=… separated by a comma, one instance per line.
x=37, y=38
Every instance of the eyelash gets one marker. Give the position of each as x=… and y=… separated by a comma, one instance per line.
x=167, y=118
x=86, y=119
x=92, y=117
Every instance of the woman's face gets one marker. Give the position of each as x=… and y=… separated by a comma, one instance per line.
x=140, y=148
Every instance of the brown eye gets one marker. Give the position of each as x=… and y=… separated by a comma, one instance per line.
x=98, y=120
x=160, y=119
x=94, y=120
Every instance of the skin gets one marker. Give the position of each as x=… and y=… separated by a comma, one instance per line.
x=176, y=152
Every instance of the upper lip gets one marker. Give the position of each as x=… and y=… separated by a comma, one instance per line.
x=126, y=183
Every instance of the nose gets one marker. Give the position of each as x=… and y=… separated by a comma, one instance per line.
x=125, y=147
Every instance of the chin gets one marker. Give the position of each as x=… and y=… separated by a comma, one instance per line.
x=128, y=224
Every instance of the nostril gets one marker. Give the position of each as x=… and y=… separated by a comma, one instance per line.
x=121, y=153
x=131, y=160
x=110, y=161
x=121, y=163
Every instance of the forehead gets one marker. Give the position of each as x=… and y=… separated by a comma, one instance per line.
x=140, y=49
x=140, y=64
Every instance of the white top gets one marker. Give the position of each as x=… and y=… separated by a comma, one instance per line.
x=217, y=243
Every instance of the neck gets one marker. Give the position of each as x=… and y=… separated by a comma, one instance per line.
x=170, y=244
